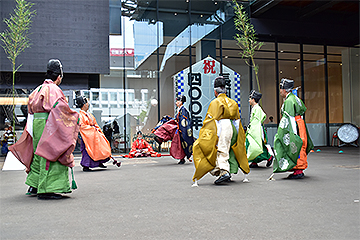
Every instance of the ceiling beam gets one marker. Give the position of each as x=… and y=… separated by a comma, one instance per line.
x=316, y=7
x=263, y=7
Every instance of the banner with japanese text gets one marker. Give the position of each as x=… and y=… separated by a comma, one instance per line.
x=201, y=82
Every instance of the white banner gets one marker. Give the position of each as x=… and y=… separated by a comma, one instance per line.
x=204, y=73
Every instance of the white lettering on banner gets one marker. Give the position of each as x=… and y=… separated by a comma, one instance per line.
x=194, y=81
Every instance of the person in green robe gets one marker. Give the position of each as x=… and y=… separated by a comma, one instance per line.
x=256, y=137
x=292, y=141
x=220, y=148
x=49, y=138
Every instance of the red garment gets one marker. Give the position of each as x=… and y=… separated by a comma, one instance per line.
x=141, y=148
x=169, y=131
x=302, y=160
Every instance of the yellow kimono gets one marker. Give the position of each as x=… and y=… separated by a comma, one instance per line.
x=205, y=150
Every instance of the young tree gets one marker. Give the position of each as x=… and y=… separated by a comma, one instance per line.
x=16, y=39
x=246, y=39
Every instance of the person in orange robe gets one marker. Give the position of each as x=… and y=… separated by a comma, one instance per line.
x=141, y=148
x=95, y=148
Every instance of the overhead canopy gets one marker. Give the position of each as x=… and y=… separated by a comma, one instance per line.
x=311, y=21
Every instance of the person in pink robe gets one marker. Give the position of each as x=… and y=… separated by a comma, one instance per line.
x=49, y=138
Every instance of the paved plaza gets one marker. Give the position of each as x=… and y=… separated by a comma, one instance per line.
x=152, y=198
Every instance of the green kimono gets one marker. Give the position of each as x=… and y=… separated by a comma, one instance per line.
x=255, y=136
x=47, y=143
x=287, y=144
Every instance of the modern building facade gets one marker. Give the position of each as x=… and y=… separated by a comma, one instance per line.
x=316, y=43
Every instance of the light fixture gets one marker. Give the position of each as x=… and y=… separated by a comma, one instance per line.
x=201, y=15
x=226, y=56
x=298, y=60
x=280, y=71
x=175, y=14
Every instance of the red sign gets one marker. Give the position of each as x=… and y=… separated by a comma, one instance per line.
x=129, y=52
x=209, y=66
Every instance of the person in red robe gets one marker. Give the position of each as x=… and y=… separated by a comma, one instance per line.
x=141, y=148
x=179, y=131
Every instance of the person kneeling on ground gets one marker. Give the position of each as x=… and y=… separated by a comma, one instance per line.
x=141, y=148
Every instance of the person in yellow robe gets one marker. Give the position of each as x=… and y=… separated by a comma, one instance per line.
x=220, y=148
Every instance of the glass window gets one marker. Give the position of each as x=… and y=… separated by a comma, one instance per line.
x=95, y=96
x=291, y=70
x=121, y=96
x=86, y=94
x=113, y=96
x=315, y=57
x=313, y=49
x=104, y=96
x=267, y=79
x=288, y=47
x=314, y=81
x=130, y=96
x=335, y=93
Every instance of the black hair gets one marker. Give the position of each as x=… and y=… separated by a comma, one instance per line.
x=51, y=75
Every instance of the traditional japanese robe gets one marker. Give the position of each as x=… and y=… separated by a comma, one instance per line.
x=49, y=138
x=142, y=147
x=291, y=145
x=185, y=131
x=256, y=136
x=96, y=144
x=205, y=147
x=180, y=132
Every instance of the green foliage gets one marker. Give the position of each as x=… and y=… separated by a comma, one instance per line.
x=16, y=39
x=246, y=38
x=142, y=116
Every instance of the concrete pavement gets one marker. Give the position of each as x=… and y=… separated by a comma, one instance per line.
x=152, y=198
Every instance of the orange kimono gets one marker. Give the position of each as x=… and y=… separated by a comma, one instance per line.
x=96, y=144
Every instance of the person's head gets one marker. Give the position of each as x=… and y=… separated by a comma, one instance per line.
x=271, y=118
x=82, y=103
x=54, y=71
x=179, y=101
x=286, y=85
x=139, y=135
x=219, y=85
x=254, y=97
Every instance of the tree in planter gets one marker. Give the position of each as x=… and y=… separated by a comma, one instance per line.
x=16, y=39
x=246, y=39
